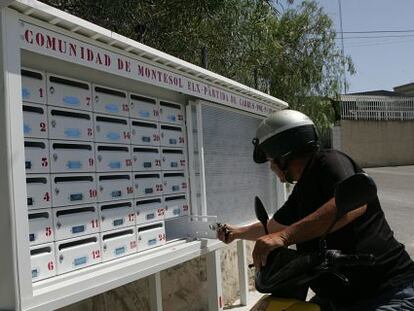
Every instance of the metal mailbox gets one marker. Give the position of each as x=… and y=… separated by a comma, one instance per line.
x=69, y=92
x=143, y=108
x=148, y=184
x=175, y=206
x=145, y=133
x=171, y=113
x=36, y=152
x=33, y=86
x=110, y=101
x=146, y=159
x=77, y=253
x=119, y=243
x=38, y=191
x=40, y=226
x=114, y=186
x=172, y=136
x=70, y=124
x=112, y=130
x=71, y=157
x=73, y=189
x=151, y=235
x=75, y=221
x=149, y=210
x=174, y=182
x=35, y=121
x=113, y=158
x=116, y=215
x=43, y=261
x=173, y=159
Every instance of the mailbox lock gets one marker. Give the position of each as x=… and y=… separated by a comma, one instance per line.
x=53, y=123
x=96, y=98
x=55, y=156
x=52, y=90
x=105, y=247
x=57, y=190
x=99, y=158
x=61, y=258
x=101, y=188
x=58, y=225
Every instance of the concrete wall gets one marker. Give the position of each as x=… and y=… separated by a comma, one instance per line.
x=184, y=287
x=378, y=143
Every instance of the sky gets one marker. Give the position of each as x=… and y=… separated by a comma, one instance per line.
x=381, y=63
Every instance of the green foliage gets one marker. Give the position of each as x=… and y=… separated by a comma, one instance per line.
x=286, y=50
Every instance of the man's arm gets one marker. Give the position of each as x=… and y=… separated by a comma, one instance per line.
x=308, y=228
x=251, y=232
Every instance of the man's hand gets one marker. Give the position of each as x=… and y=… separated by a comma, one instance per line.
x=264, y=245
x=227, y=233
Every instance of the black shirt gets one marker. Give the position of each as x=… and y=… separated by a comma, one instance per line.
x=368, y=234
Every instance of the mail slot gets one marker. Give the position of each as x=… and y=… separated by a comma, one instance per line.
x=143, y=108
x=145, y=133
x=78, y=253
x=171, y=113
x=114, y=186
x=70, y=124
x=110, y=101
x=116, y=215
x=150, y=236
x=73, y=189
x=174, y=182
x=36, y=152
x=35, y=121
x=175, y=206
x=113, y=158
x=149, y=210
x=40, y=226
x=38, y=191
x=69, y=157
x=43, y=262
x=147, y=184
x=112, y=130
x=33, y=86
x=75, y=221
x=69, y=93
x=173, y=159
x=118, y=243
x=172, y=136
x=146, y=159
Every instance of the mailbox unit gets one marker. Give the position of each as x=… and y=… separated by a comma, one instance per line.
x=111, y=174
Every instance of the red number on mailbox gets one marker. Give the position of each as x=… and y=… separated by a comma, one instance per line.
x=40, y=92
x=156, y=137
x=130, y=190
x=133, y=244
x=158, y=187
x=95, y=223
x=45, y=163
x=125, y=107
x=128, y=162
x=181, y=140
x=96, y=254
x=184, y=185
x=90, y=132
x=90, y=162
x=156, y=113
x=42, y=126
x=93, y=193
x=127, y=135
x=51, y=265
x=161, y=236
x=157, y=162
x=131, y=217
x=180, y=117
x=88, y=101
x=161, y=212
x=46, y=197
x=48, y=231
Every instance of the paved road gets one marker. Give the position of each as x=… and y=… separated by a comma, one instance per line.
x=396, y=192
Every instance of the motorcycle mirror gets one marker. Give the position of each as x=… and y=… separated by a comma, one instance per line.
x=354, y=192
x=261, y=213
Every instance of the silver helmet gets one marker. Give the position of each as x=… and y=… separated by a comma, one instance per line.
x=283, y=134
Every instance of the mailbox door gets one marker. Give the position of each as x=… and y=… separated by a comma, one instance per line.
x=113, y=158
x=70, y=125
x=69, y=93
x=145, y=133
x=174, y=182
x=112, y=130
x=172, y=136
x=143, y=108
x=72, y=157
x=33, y=86
x=36, y=152
x=114, y=186
x=75, y=221
x=148, y=184
x=151, y=235
x=35, y=121
x=175, y=206
x=116, y=215
x=38, y=191
x=146, y=159
x=78, y=253
x=73, y=189
x=173, y=159
x=118, y=243
x=110, y=101
x=43, y=262
x=171, y=113
x=149, y=210
x=40, y=226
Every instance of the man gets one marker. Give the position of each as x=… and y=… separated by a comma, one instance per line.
x=288, y=140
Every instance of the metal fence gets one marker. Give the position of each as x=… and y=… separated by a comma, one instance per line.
x=378, y=108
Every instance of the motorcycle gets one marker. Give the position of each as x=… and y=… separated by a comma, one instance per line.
x=288, y=274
